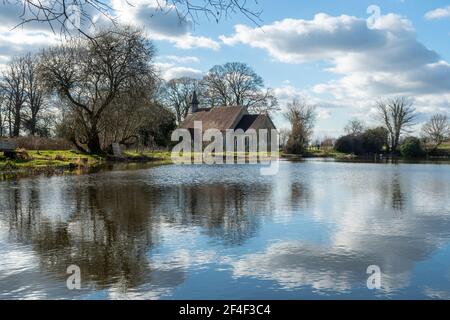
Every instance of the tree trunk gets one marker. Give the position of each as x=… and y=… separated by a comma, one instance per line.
x=17, y=120
x=94, y=143
x=9, y=122
x=33, y=125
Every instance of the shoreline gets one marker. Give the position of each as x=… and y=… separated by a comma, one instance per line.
x=81, y=163
x=59, y=162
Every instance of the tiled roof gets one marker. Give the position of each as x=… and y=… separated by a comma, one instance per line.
x=253, y=121
x=220, y=118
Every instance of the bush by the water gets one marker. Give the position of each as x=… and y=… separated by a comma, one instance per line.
x=375, y=140
x=411, y=147
x=295, y=144
x=370, y=141
x=351, y=143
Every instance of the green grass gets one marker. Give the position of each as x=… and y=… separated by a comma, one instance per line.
x=326, y=153
x=71, y=158
x=445, y=146
x=49, y=158
x=159, y=155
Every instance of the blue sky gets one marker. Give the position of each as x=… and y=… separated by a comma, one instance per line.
x=321, y=50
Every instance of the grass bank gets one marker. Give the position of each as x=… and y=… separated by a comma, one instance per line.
x=69, y=161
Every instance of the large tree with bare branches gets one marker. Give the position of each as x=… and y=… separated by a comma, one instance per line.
x=302, y=117
x=354, y=126
x=35, y=95
x=177, y=94
x=397, y=115
x=236, y=83
x=90, y=75
x=436, y=130
x=13, y=85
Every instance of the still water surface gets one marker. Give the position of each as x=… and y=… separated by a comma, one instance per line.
x=225, y=232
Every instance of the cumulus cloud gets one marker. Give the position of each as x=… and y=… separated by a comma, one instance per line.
x=371, y=62
x=17, y=40
x=183, y=59
x=173, y=66
x=171, y=71
x=162, y=22
x=438, y=13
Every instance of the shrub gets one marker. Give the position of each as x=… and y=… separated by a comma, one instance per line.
x=374, y=140
x=370, y=141
x=350, y=144
x=411, y=147
x=294, y=146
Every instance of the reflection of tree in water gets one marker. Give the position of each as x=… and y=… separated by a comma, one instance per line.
x=300, y=194
x=107, y=227
x=107, y=233
x=229, y=212
x=397, y=196
x=392, y=192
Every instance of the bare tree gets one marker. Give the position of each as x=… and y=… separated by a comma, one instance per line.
x=327, y=142
x=177, y=95
x=66, y=15
x=236, y=83
x=436, y=130
x=2, y=111
x=284, y=136
x=90, y=75
x=302, y=117
x=14, y=87
x=129, y=112
x=397, y=115
x=354, y=126
x=35, y=102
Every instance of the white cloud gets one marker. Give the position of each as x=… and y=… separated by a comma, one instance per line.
x=183, y=59
x=439, y=13
x=385, y=60
x=170, y=71
x=172, y=67
x=162, y=23
x=17, y=40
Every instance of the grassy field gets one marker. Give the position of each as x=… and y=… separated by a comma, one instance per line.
x=156, y=155
x=445, y=147
x=326, y=153
x=73, y=159
x=50, y=158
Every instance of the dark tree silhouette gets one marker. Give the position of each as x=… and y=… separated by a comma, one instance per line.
x=302, y=117
x=90, y=76
x=436, y=130
x=398, y=116
x=178, y=93
x=58, y=13
x=237, y=84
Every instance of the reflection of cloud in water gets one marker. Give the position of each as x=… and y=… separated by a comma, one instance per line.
x=294, y=264
x=437, y=294
x=387, y=220
x=141, y=234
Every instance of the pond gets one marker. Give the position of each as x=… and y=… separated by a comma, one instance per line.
x=226, y=232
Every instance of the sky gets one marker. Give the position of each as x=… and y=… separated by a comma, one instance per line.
x=337, y=54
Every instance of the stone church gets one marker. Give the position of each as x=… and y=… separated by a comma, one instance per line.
x=223, y=118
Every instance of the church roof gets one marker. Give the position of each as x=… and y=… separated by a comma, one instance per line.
x=253, y=121
x=220, y=118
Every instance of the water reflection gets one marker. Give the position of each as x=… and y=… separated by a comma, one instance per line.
x=312, y=229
